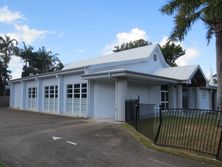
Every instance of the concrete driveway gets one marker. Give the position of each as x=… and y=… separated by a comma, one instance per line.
x=26, y=141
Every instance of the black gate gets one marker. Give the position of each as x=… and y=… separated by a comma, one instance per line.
x=144, y=117
x=132, y=112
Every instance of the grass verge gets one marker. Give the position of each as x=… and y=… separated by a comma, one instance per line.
x=149, y=144
x=2, y=165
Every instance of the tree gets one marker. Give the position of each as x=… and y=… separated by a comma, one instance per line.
x=37, y=62
x=131, y=45
x=8, y=48
x=47, y=62
x=186, y=13
x=172, y=52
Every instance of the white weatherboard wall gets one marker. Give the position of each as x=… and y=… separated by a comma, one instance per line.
x=145, y=66
x=192, y=97
x=17, y=95
x=103, y=99
x=204, y=99
x=148, y=94
x=120, y=98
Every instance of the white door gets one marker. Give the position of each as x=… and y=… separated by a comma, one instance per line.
x=76, y=99
x=51, y=99
x=32, y=98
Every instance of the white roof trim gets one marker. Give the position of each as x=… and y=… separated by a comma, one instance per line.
x=48, y=75
x=126, y=73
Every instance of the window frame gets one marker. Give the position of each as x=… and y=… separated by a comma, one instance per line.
x=164, y=96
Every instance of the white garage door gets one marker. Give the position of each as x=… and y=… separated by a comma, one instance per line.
x=32, y=98
x=76, y=99
x=51, y=99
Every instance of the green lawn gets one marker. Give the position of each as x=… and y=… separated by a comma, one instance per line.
x=2, y=165
x=200, y=134
x=177, y=152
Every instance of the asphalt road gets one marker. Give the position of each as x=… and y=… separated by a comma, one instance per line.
x=26, y=141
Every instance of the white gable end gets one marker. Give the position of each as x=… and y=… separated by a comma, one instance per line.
x=144, y=59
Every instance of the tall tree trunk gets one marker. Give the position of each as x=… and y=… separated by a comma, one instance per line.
x=219, y=68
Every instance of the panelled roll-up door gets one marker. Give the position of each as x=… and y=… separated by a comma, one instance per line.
x=76, y=99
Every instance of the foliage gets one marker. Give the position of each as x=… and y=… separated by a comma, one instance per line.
x=131, y=45
x=186, y=13
x=37, y=62
x=172, y=52
x=8, y=48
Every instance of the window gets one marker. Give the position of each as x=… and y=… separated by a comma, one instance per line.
x=76, y=90
x=84, y=90
x=32, y=92
x=51, y=91
x=69, y=91
x=164, y=97
x=56, y=91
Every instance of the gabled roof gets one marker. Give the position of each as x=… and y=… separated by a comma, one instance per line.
x=131, y=54
x=183, y=73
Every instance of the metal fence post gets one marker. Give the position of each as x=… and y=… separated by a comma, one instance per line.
x=137, y=112
x=219, y=151
x=158, y=130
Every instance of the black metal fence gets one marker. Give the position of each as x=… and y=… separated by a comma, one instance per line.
x=191, y=129
x=144, y=117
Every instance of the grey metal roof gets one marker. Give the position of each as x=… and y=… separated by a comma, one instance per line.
x=130, y=74
x=180, y=73
x=131, y=54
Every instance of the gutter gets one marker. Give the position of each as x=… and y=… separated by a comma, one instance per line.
x=122, y=73
x=50, y=74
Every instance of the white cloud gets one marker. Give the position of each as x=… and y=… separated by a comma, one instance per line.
x=123, y=37
x=27, y=34
x=16, y=65
x=8, y=16
x=163, y=40
x=21, y=32
x=80, y=50
x=191, y=52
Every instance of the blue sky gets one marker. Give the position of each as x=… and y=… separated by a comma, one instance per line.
x=85, y=29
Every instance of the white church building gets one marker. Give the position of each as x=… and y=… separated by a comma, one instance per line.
x=99, y=87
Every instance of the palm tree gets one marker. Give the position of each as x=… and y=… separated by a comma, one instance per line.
x=186, y=13
x=7, y=50
x=28, y=56
x=37, y=62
